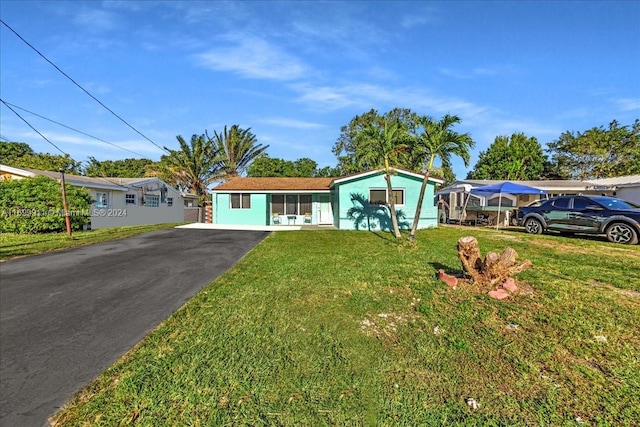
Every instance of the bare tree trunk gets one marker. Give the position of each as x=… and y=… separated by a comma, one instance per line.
x=416, y=218
x=392, y=207
x=494, y=268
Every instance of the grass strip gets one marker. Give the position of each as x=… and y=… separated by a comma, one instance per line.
x=16, y=245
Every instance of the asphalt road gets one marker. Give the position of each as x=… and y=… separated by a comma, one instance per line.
x=66, y=316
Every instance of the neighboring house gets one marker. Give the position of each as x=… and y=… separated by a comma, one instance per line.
x=118, y=201
x=625, y=187
x=354, y=202
x=462, y=205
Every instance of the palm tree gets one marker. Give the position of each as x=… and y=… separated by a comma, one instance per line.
x=193, y=167
x=384, y=144
x=237, y=148
x=438, y=140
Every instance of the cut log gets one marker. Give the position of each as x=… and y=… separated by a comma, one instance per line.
x=494, y=268
x=470, y=256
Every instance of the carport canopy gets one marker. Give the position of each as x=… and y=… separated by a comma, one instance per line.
x=507, y=187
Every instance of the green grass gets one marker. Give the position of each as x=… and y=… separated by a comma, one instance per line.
x=338, y=328
x=15, y=245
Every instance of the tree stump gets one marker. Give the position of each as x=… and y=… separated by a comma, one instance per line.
x=494, y=268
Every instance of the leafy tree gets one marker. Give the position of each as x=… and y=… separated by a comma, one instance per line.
x=237, y=149
x=192, y=168
x=127, y=168
x=305, y=167
x=445, y=173
x=381, y=145
x=597, y=152
x=11, y=151
x=34, y=205
x=20, y=155
x=327, y=172
x=515, y=158
x=348, y=146
x=438, y=140
x=266, y=166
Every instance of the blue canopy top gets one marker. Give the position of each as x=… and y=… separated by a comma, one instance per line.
x=509, y=188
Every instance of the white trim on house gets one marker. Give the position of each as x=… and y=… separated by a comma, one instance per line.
x=377, y=171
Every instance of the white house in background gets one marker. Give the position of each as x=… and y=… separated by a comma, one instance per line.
x=118, y=201
x=462, y=205
x=624, y=187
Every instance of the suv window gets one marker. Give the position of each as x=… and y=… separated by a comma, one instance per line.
x=561, y=203
x=580, y=204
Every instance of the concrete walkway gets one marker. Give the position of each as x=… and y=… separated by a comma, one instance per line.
x=66, y=316
x=204, y=226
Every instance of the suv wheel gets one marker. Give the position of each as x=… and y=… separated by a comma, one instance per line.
x=533, y=226
x=620, y=232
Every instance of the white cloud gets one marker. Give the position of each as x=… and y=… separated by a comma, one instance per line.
x=476, y=72
x=253, y=57
x=628, y=104
x=96, y=20
x=290, y=123
x=410, y=21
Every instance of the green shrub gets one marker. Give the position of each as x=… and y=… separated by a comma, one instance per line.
x=34, y=205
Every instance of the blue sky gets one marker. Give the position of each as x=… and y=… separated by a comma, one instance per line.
x=295, y=72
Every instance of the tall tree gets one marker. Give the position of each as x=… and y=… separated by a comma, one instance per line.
x=193, y=167
x=237, y=149
x=437, y=139
x=127, y=168
x=598, y=152
x=20, y=155
x=348, y=146
x=266, y=166
x=10, y=151
x=382, y=146
x=514, y=158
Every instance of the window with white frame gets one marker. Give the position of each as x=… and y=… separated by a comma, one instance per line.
x=169, y=201
x=378, y=196
x=130, y=199
x=240, y=201
x=291, y=204
x=152, y=201
x=102, y=200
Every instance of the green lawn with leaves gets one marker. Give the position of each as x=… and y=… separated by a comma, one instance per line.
x=16, y=245
x=349, y=328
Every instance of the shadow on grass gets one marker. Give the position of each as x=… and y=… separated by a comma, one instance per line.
x=447, y=269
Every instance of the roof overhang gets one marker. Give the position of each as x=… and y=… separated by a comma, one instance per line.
x=380, y=171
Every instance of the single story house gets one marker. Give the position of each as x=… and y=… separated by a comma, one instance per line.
x=461, y=204
x=118, y=201
x=353, y=202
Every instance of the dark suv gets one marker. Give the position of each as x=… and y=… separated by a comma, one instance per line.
x=618, y=219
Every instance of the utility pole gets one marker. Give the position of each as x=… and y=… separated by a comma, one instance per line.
x=67, y=219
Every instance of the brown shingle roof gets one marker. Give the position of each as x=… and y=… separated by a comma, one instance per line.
x=276, y=184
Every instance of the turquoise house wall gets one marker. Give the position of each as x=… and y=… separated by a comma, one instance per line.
x=361, y=186
x=260, y=212
x=257, y=215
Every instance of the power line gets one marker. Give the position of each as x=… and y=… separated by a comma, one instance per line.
x=77, y=84
x=75, y=130
x=36, y=130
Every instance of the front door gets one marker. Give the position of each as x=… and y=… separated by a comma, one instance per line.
x=324, y=209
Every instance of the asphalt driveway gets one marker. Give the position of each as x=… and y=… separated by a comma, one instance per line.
x=66, y=316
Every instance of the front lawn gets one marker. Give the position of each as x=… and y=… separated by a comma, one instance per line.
x=347, y=328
